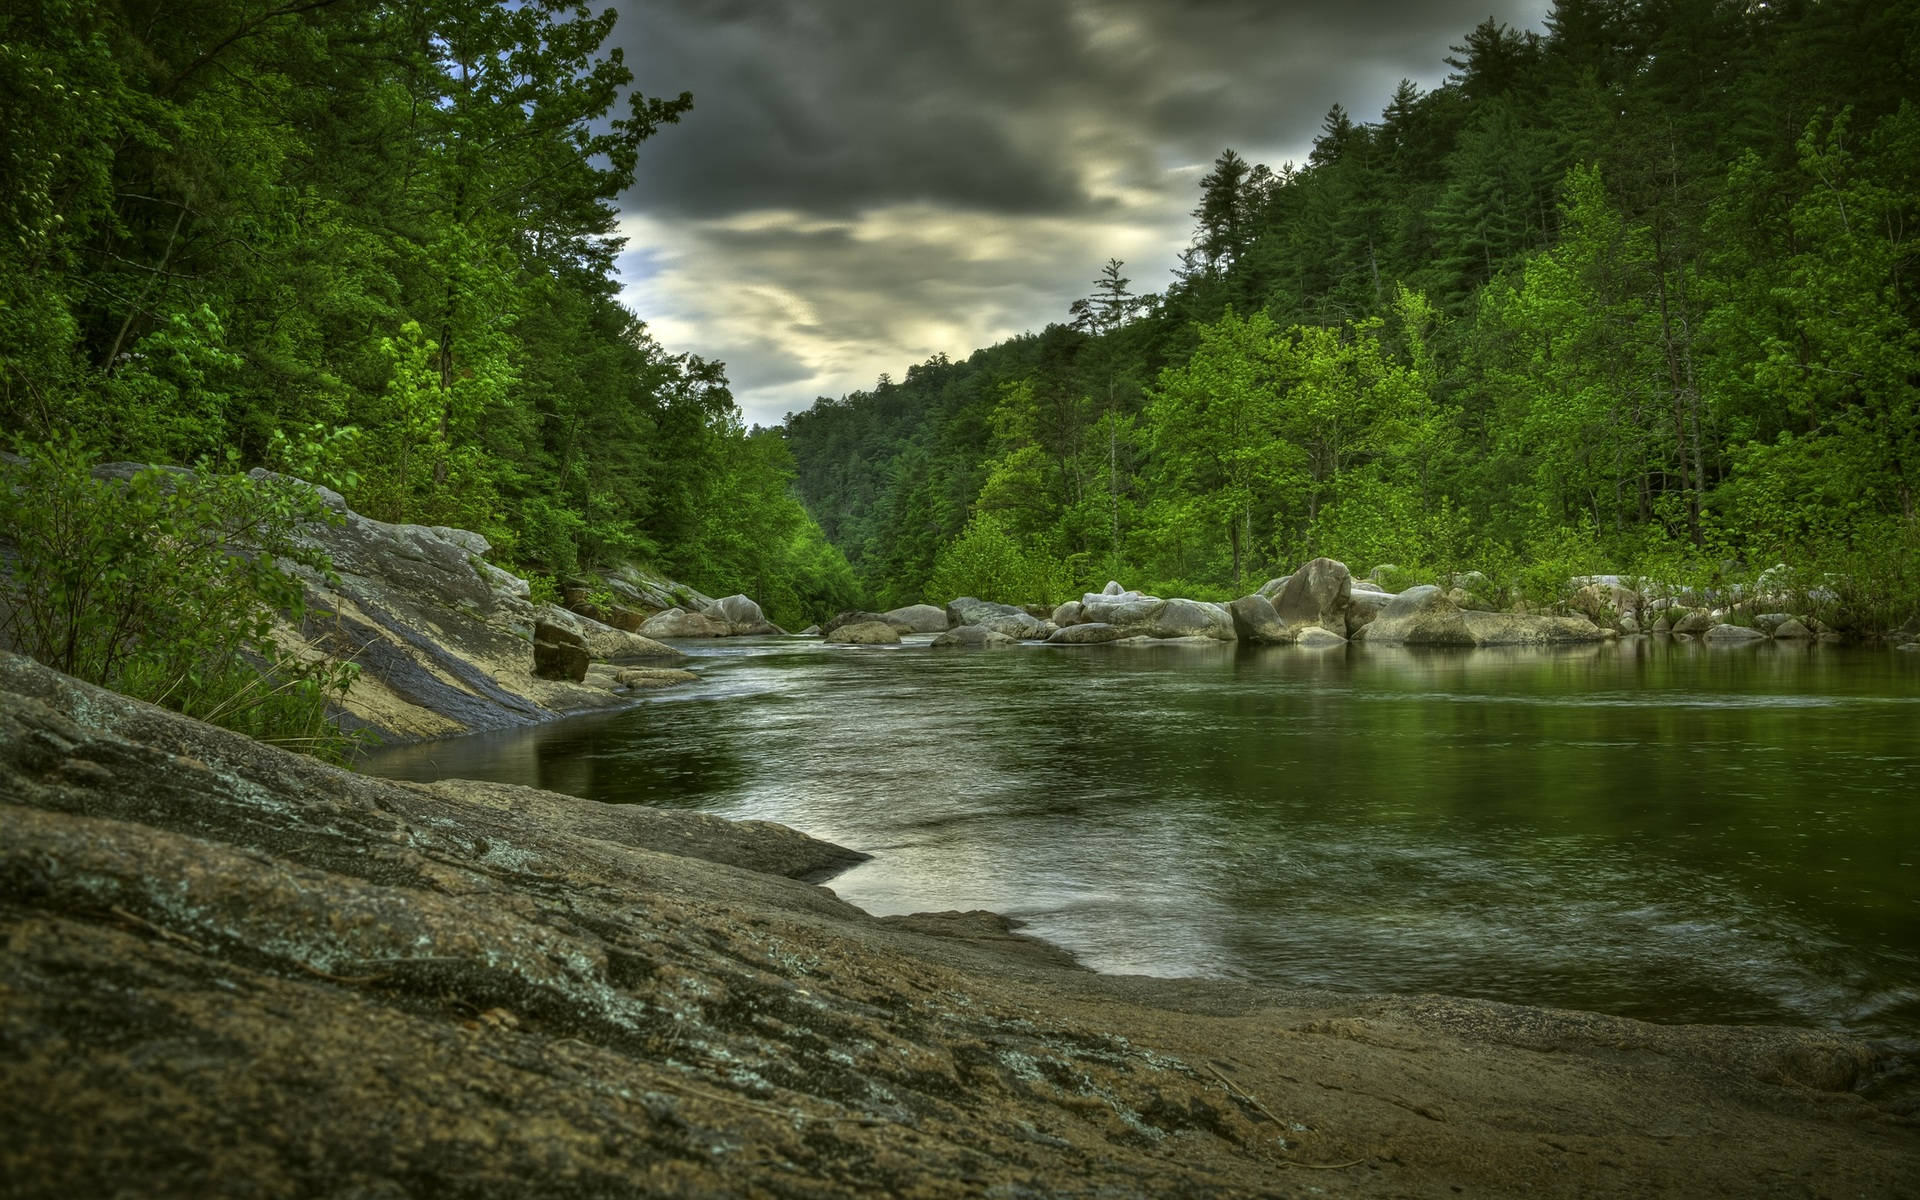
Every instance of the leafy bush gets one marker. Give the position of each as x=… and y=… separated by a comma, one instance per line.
x=985, y=561
x=164, y=585
x=1873, y=587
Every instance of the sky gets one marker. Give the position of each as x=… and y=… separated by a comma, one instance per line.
x=862, y=184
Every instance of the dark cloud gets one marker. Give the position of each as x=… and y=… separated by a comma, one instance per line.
x=907, y=171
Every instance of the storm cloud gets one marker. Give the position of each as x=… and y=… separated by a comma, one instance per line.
x=863, y=184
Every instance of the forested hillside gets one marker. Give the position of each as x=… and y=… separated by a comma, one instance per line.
x=372, y=244
x=1632, y=294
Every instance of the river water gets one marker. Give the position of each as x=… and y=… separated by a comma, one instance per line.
x=1662, y=830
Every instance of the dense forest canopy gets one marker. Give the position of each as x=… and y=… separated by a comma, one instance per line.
x=373, y=244
x=1634, y=293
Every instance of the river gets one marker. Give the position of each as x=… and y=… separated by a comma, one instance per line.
x=1661, y=830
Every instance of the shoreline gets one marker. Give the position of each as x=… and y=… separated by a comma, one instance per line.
x=232, y=971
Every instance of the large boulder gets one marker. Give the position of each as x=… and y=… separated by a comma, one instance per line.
x=1419, y=616
x=973, y=637
x=1140, y=615
x=442, y=638
x=1518, y=629
x=1424, y=616
x=1363, y=605
x=1000, y=618
x=640, y=679
x=651, y=593
x=851, y=616
x=1317, y=594
x=865, y=633
x=1792, y=630
x=742, y=617
x=917, y=618
x=1734, y=635
x=559, y=653
x=1073, y=612
x=679, y=623
x=1087, y=633
x=1126, y=609
x=1694, y=622
x=604, y=641
x=1192, y=618
x=1273, y=587
x=1255, y=621
x=1313, y=637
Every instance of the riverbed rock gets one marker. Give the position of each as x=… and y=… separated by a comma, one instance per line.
x=1273, y=587
x=559, y=653
x=1086, y=633
x=1001, y=618
x=1313, y=637
x=974, y=637
x=1419, y=616
x=1126, y=609
x=851, y=616
x=1730, y=635
x=1628, y=625
x=604, y=641
x=646, y=679
x=742, y=617
x=1316, y=594
x=442, y=638
x=1792, y=630
x=1180, y=618
x=1073, y=612
x=1113, y=588
x=917, y=618
x=865, y=633
x=1137, y=614
x=229, y=971
x=681, y=623
x=1530, y=629
x=1363, y=605
x=1423, y=616
x=1256, y=623
x=1693, y=622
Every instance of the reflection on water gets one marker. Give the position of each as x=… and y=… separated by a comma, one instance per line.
x=1669, y=831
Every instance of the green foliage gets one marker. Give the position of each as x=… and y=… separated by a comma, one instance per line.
x=1632, y=297
x=987, y=562
x=165, y=585
x=372, y=247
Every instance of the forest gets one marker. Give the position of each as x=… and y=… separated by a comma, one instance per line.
x=1631, y=294
x=1634, y=294
x=372, y=245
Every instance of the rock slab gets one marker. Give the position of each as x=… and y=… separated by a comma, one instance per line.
x=228, y=972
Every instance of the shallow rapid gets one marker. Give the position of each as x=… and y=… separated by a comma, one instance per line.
x=1655, y=829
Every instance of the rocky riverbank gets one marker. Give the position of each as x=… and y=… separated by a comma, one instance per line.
x=447, y=643
x=231, y=971
x=1322, y=605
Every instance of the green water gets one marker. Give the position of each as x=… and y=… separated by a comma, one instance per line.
x=1662, y=830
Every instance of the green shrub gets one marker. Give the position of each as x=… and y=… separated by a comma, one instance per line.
x=986, y=562
x=164, y=585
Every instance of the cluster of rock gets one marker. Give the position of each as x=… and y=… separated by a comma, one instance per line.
x=447, y=643
x=635, y=600
x=1321, y=604
x=1768, y=610
x=857, y=627
x=1324, y=604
